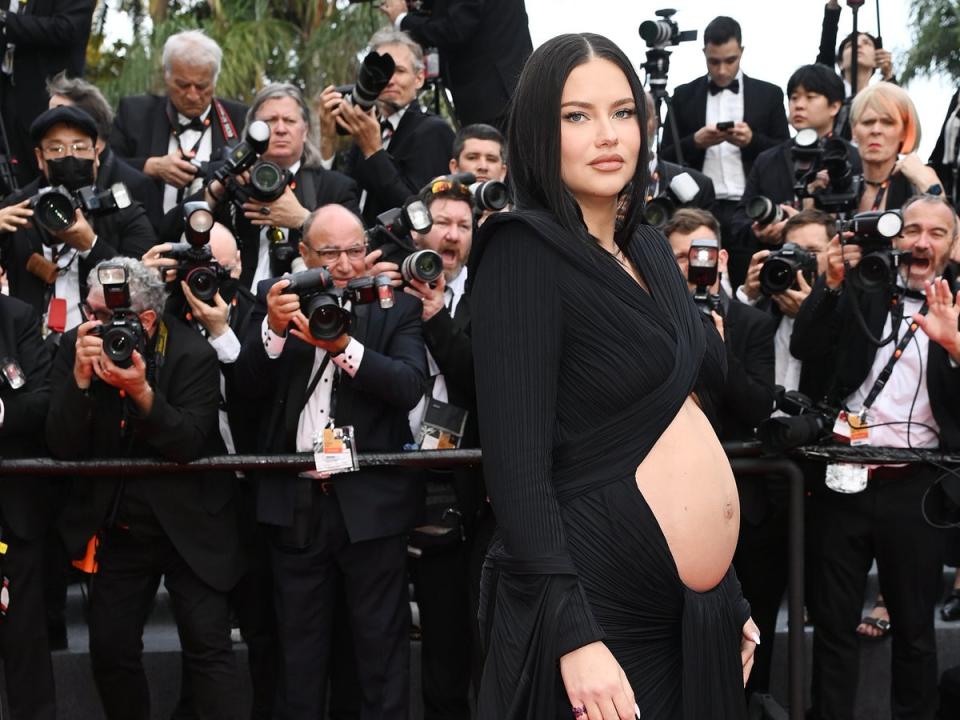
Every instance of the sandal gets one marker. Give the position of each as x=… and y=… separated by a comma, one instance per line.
x=878, y=623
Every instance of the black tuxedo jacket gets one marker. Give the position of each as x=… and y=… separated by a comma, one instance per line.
x=24, y=502
x=483, y=45
x=196, y=511
x=420, y=149
x=944, y=170
x=704, y=198
x=826, y=331
x=389, y=383
x=141, y=128
x=124, y=232
x=762, y=111
x=142, y=187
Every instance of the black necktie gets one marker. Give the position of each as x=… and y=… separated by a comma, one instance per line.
x=733, y=87
x=192, y=124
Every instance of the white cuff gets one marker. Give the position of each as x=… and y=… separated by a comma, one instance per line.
x=3, y=413
x=272, y=342
x=349, y=360
x=399, y=20
x=227, y=346
x=327, y=163
x=742, y=297
x=85, y=253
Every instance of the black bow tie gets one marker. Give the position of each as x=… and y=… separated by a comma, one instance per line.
x=386, y=129
x=733, y=87
x=192, y=124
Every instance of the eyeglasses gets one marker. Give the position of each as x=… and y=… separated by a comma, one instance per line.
x=88, y=313
x=331, y=255
x=444, y=185
x=59, y=150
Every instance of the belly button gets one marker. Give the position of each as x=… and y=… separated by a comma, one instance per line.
x=728, y=510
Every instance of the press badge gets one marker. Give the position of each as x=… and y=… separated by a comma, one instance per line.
x=12, y=373
x=334, y=450
x=852, y=428
x=846, y=478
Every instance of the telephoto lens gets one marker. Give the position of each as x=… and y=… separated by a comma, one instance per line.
x=764, y=211
x=490, y=195
x=423, y=265
x=54, y=208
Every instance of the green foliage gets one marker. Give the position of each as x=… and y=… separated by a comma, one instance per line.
x=935, y=48
x=311, y=43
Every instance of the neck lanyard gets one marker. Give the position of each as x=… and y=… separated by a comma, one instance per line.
x=878, y=200
x=315, y=380
x=884, y=376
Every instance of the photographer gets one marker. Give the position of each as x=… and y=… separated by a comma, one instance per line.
x=48, y=269
x=25, y=505
x=343, y=530
x=480, y=149
x=862, y=513
x=161, y=402
x=814, y=96
x=446, y=573
x=169, y=136
x=483, y=45
x=397, y=147
x=64, y=90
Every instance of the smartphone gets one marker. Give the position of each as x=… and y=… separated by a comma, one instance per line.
x=725, y=125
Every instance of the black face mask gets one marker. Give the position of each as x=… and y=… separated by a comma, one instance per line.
x=71, y=172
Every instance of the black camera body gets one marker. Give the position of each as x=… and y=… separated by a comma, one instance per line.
x=124, y=332
x=54, y=208
x=806, y=422
x=879, y=261
x=372, y=77
x=195, y=263
x=664, y=31
x=779, y=271
x=391, y=234
x=244, y=154
x=268, y=181
x=324, y=304
x=810, y=155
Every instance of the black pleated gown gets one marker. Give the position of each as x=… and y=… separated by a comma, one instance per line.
x=579, y=371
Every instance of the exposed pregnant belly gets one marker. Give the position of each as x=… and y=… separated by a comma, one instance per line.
x=688, y=485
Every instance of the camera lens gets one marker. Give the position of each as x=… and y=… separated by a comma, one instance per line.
x=655, y=32
x=777, y=275
x=375, y=73
x=203, y=283
x=490, y=195
x=119, y=344
x=326, y=318
x=423, y=265
x=763, y=210
x=55, y=211
x=658, y=211
x=874, y=271
x=268, y=181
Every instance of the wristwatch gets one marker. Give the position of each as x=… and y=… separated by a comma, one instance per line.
x=935, y=189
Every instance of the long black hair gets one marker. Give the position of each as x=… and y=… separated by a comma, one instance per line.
x=533, y=137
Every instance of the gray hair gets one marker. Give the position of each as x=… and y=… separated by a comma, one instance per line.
x=147, y=290
x=194, y=48
x=391, y=36
x=85, y=96
x=274, y=91
x=936, y=200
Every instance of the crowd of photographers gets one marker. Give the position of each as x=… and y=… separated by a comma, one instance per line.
x=190, y=277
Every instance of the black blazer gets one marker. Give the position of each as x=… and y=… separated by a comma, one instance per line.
x=945, y=170
x=141, y=128
x=483, y=46
x=826, y=331
x=704, y=198
x=762, y=111
x=24, y=501
x=142, y=187
x=196, y=511
x=125, y=232
x=420, y=149
x=50, y=35
x=389, y=383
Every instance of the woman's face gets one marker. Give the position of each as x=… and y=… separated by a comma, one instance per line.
x=600, y=134
x=878, y=135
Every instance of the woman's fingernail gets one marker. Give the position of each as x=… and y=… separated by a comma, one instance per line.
x=636, y=709
x=756, y=638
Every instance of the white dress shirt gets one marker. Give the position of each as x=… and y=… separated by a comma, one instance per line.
x=67, y=284
x=185, y=142
x=787, y=368
x=723, y=162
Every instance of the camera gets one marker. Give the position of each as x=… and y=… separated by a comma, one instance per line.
x=681, y=191
x=244, y=154
x=391, y=234
x=268, y=181
x=664, y=31
x=779, y=271
x=195, y=263
x=490, y=195
x=702, y=271
x=124, y=333
x=54, y=208
x=374, y=75
x=804, y=422
x=323, y=303
x=810, y=155
x=879, y=261
x=764, y=211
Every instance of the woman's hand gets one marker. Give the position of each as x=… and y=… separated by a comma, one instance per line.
x=921, y=176
x=748, y=645
x=595, y=681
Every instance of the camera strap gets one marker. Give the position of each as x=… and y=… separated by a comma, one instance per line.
x=314, y=381
x=226, y=124
x=884, y=376
x=881, y=193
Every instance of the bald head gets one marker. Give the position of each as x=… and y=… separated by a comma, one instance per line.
x=223, y=247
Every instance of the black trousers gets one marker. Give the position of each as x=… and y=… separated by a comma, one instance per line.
x=23, y=633
x=739, y=256
x=373, y=576
x=884, y=522
x=121, y=595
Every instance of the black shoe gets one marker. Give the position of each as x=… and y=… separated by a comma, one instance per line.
x=951, y=606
